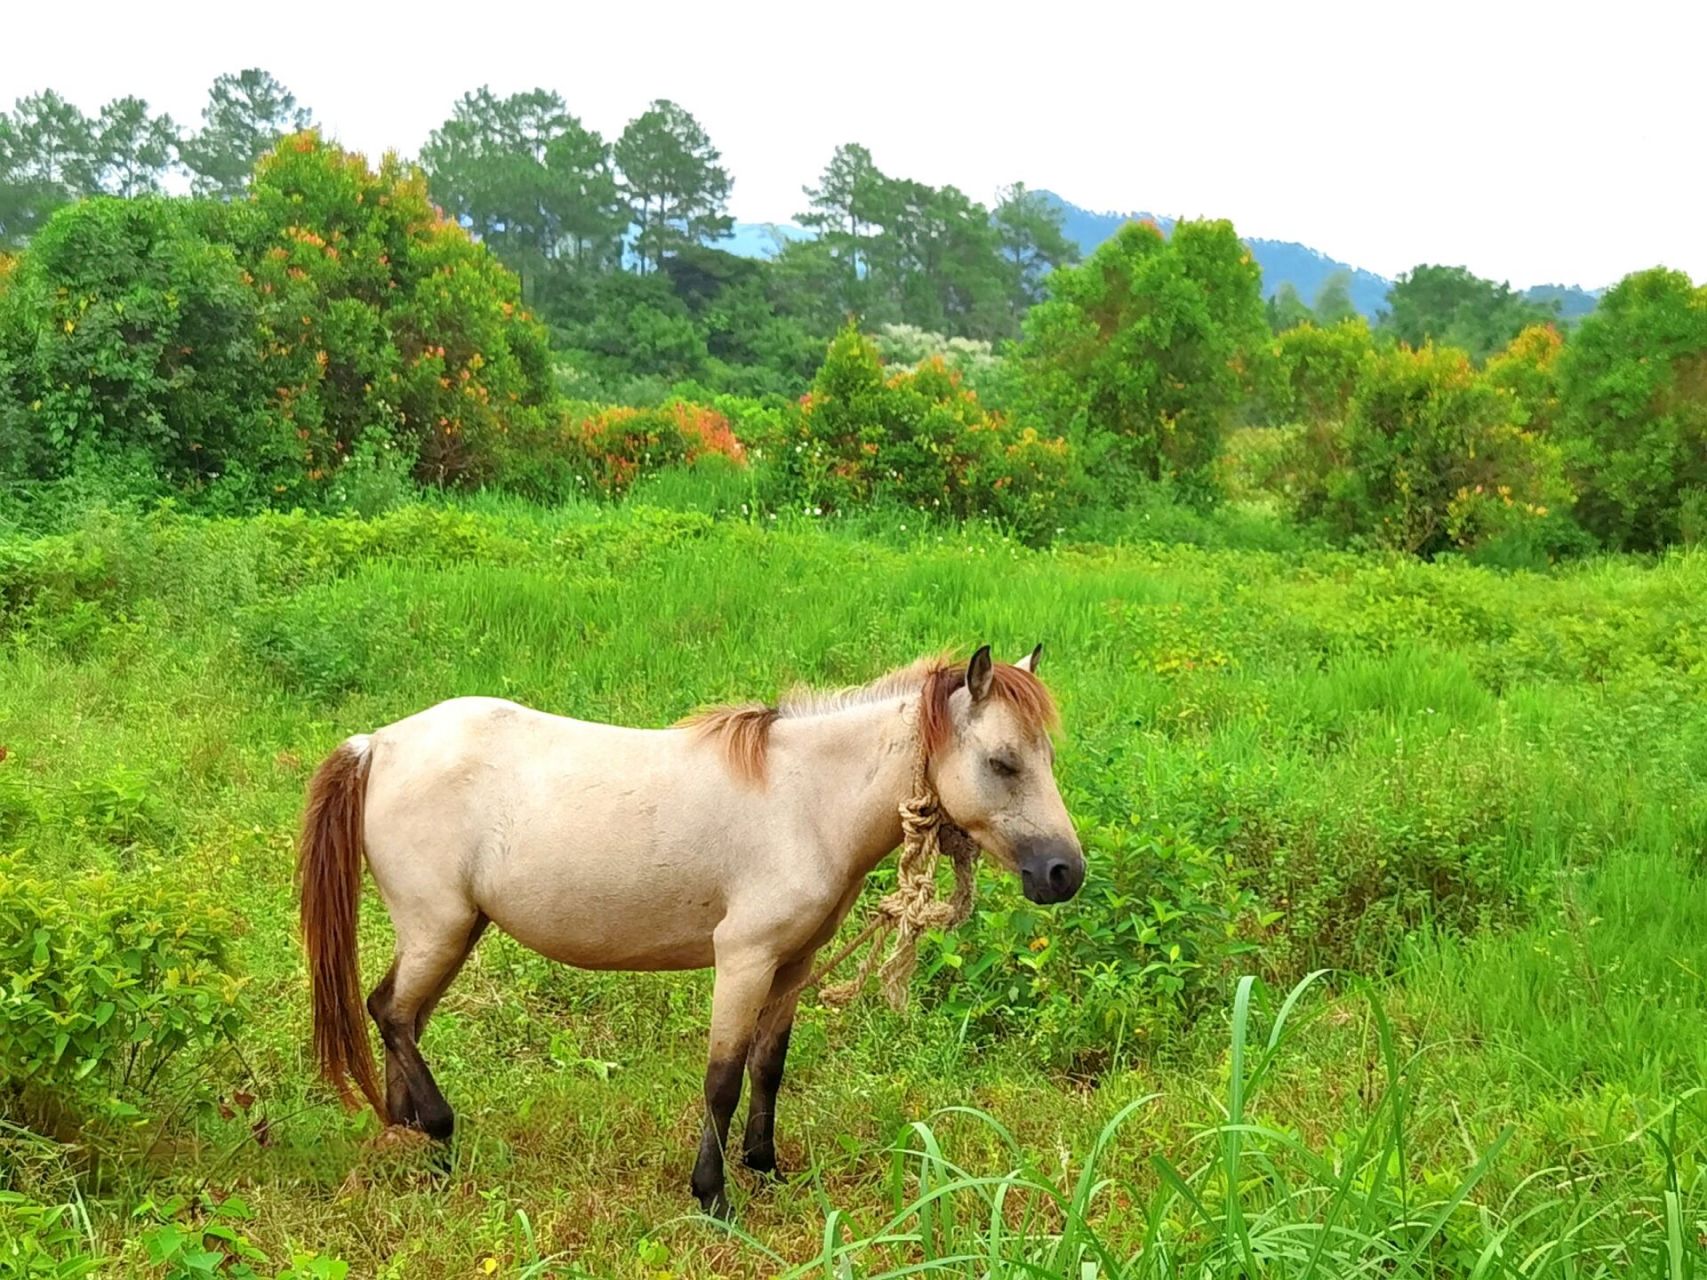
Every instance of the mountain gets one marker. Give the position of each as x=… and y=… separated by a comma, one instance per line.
x=1282, y=261
x=1574, y=302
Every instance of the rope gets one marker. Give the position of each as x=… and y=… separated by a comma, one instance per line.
x=927, y=834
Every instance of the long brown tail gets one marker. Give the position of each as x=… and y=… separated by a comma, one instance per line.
x=329, y=878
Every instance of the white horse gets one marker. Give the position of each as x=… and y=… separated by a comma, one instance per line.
x=737, y=840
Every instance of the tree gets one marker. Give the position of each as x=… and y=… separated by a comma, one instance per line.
x=1333, y=300
x=528, y=178
x=1286, y=310
x=246, y=114
x=47, y=159
x=1029, y=231
x=1633, y=413
x=843, y=207
x=133, y=149
x=676, y=187
x=1143, y=353
x=1450, y=305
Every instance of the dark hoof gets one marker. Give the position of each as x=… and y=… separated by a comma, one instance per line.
x=763, y=1163
x=437, y=1122
x=714, y=1203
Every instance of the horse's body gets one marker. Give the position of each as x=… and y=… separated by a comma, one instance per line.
x=616, y=848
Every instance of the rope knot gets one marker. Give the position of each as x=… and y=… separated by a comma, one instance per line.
x=913, y=907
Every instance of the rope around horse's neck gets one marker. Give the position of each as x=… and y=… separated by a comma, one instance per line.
x=926, y=835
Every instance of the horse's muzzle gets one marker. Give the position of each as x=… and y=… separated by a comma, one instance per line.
x=1051, y=870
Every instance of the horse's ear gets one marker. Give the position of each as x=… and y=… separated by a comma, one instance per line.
x=980, y=673
x=1029, y=662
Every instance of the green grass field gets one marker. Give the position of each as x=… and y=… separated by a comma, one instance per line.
x=1478, y=800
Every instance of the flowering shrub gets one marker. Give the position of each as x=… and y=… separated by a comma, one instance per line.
x=615, y=446
x=1527, y=371
x=1431, y=456
x=254, y=349
x=921, y=438
x=379, y=315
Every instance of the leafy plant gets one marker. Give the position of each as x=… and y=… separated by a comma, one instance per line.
x=115, y=994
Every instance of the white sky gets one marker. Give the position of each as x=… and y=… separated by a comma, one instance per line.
x=1527, y=141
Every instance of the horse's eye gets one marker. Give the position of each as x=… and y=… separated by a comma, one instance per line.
x=1001, y=768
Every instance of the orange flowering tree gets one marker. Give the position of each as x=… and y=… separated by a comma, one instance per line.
x=382, y=323
x=918, y=437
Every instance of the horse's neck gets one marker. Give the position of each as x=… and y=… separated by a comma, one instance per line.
x=854, y=768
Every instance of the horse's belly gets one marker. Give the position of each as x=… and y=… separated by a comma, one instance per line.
x=594, y=920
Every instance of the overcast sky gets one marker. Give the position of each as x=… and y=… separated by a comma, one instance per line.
x=1523, y=140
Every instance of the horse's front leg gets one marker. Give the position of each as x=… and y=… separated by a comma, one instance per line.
x=744, y=979
x=765, y=1063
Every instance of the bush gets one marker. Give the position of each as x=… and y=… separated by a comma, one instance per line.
x=1320, y=371
x=126, y=333
x=116, y=993
x=246, y=354
x=1142, y=354
x=382, y=319
x=1430, y=458
x=1528, y=371
x=604, y=449
x=1633, y=421
x=921, y=439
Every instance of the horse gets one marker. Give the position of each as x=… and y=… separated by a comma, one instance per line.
x=737, y=840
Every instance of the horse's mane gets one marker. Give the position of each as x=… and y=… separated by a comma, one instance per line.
x=744, y=730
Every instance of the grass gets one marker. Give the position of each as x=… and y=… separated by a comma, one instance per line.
x=1483, y=792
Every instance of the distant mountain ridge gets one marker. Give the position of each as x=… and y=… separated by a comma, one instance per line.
x=1282, y=261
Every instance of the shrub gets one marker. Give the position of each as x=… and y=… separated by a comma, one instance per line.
x=1528, y=371
x=1321, y=369
x=918, y=438
x=1633, y=417
x=1430, y=457
x=125, y=332
x=378, y=316
x=1142, y=354
x=117, y=992
x=617, y=445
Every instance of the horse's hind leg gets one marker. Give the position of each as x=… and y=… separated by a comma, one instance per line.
x=429, y=954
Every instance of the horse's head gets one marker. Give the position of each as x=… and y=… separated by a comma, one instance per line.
x=987, y=729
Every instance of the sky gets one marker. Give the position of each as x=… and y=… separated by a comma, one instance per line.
x=1530, y=142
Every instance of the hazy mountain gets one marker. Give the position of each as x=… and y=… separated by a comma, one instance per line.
x=1282, y=261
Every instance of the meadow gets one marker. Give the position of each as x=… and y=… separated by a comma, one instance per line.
x=1390, y=961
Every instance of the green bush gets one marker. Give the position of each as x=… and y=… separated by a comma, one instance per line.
x=1141, y=356
x=1633, y=418
x=1430, y=457
x=117, y=994
x=918, y=438
x=125, y=333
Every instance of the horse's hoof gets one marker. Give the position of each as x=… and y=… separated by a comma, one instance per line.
x=763, y=1163
x=714, y=1204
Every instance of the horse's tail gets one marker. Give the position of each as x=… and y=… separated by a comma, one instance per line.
x=329, y=878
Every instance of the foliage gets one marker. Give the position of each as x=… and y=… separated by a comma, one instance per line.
x=1321, y=370
x=378, y=316
x=1430, y=456
x=674, y=181
x=1452, y=307
x=117, y=992
x=1141, y=355
x=919, y=438
x=1527, y=370
x=613, y=447
x=247, y=113
x=1633, y=387
x=125, y=331
x=185, y=1245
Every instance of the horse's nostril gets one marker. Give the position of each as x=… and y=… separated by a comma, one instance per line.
x=1060, y=874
